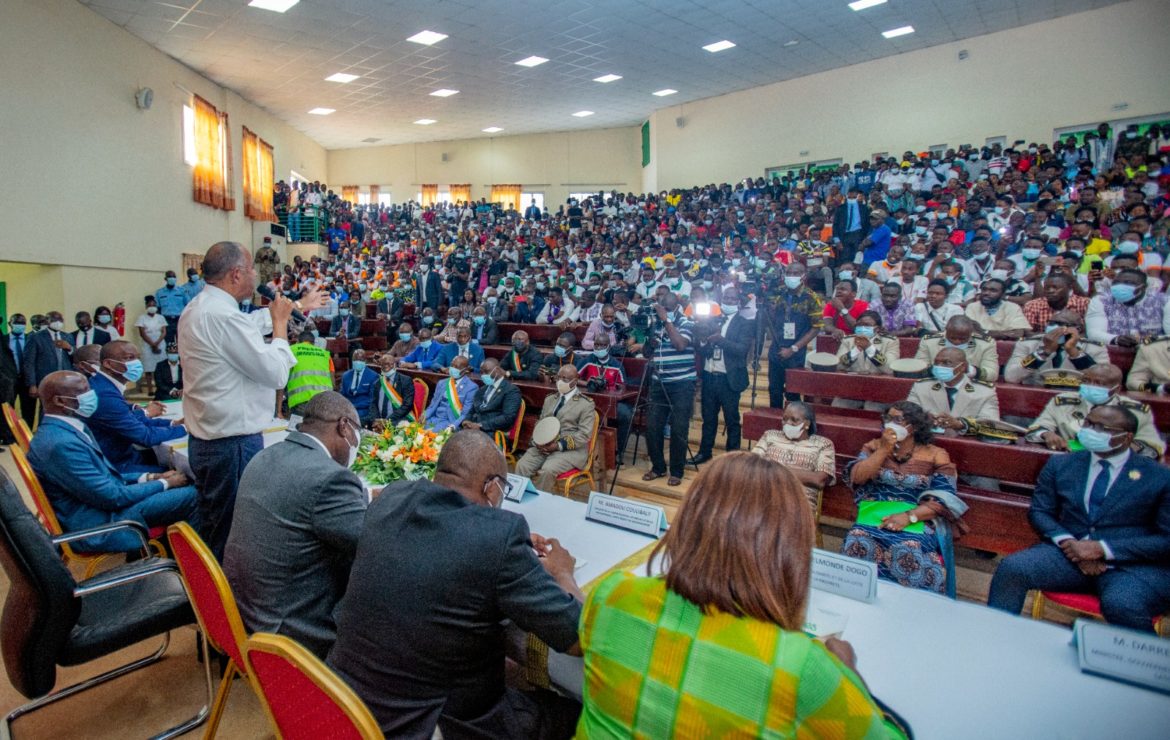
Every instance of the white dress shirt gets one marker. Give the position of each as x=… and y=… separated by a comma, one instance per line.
x=231, y=374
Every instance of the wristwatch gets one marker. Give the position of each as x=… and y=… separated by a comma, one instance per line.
x=913, y=517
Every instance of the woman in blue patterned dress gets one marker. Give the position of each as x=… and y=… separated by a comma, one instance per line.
x=904, y=487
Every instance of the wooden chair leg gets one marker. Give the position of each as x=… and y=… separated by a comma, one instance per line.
x=221, y=696
x=1038, y=606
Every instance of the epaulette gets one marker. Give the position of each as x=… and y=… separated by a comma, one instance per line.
x=984, y=337
x=1130, y=403
x=1068, y=399
x=1155, y=340
x=935, y=385
x=987, y=383
x=1033, y=338
x=937, y=335
x=1100, y=344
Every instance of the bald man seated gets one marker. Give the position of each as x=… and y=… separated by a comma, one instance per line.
x=83, y=486
x=570, y=449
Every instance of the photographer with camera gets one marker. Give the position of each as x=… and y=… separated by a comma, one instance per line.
x=672, y=387
x=726, y=343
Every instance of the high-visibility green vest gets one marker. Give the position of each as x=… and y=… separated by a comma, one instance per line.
x=310, y=375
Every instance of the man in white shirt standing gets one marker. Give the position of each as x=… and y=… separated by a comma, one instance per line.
x=231, y=379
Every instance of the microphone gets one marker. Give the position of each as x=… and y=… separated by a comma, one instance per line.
x=264, y=290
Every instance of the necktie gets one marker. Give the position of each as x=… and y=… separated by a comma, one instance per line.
x=1058, y=358
x=560, y=403
x=1099, y=489
x=951, y=396
x=20, y=351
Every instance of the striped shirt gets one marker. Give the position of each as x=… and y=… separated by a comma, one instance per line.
x=675, y=365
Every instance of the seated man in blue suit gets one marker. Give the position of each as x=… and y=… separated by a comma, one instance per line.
x=345, y=324
x=118, y=425
x=1104, y=516
x=463, y=346
x=426, y=354
x=453, y=399
x=357, y=383
x=84, y=488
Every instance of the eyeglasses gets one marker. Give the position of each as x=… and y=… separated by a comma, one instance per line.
x=502, y=482
x=1098, y=426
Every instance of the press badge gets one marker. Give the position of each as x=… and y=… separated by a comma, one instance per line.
x=790, y=330
x=717, y=354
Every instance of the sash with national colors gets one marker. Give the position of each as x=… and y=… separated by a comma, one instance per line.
x=453, y=398
x=393, y=396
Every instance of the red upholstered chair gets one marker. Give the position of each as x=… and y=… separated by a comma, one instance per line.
x=571, y=478
x=215, y=607
x=304, y=699
x=507, y=441
x=422, y=394
x=23, y=434
x=1085, y=604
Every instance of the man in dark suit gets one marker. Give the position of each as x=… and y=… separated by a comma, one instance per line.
x=724, y=351
x=392, y=399
x=524, y=361
x=86, y=332
x=390, y=308
x=532, y=212
x=497, y=402
x=484, y=330
x=9, y=379
x=14, y=347
x=463, y=346
x=357, y=383
x=345, y=324
x=1104, y=516
x=47, y=351
x=298, y=515
x=850, y=225
x=428, y=288
x=420, y=633
x=168, y=376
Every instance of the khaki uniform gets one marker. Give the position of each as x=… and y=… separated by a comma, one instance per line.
x=576, y=416
x=1151, y=366
x=267, y=264
x=1065, y=413
x=980, y=351
x=874, y=361
x=975, y=399
x=1025, y=366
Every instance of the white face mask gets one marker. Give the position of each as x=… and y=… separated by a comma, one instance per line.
x=900, y=432
x=353, y=451
x=793, y=431
x=564, y=387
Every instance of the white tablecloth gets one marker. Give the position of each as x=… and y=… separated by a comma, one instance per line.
x=174, y=452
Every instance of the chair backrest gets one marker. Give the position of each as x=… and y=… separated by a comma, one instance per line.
x=210, y=594
x=40, y=609
x=422, y=394
x=22, y=433
x=304, y=699
x=37, y=492
x=10, y=415
x=514, y=433
x=592, y=442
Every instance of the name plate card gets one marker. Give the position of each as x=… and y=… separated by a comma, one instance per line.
x=1123, y=654
x=822, y=623
x=635, y=516
x=518, y=485
x=849, y=577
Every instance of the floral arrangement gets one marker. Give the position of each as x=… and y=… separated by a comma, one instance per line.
x=408, y=451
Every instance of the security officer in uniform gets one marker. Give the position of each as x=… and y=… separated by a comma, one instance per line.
x=1061, y=347
x=953, y=400
x=867, y=351
x=793, y=316
x=1151, y=366
x=171, y=300
x=961, y=333
x=1062, y=417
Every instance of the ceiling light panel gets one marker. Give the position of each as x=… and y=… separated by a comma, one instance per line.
x=426, y=38
x=863, y=4
x=492, y=130
x=583, y=113
x=322, y=111
x=342, y=77
x=607, y=78
x=665, y=91
x=894, y=33
x=719, y=46
x=444, y=93
x=276, y=6
x=425, y=121
x=532, y=61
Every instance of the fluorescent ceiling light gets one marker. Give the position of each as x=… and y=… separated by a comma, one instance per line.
x=665, y=91
x=425, y=121
x=492, y=130
x=426, y=38
x=277, y=6
x=863, y=4
x=896, y=32
x=532, y=61
x=444, y=93
x=322, y=111
x=793, y=42
x=341, y=77
x=607, y=78
x=719, y=46
x=583, y=113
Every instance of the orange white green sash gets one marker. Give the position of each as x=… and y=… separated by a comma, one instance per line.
x=393, y=396
x=453, y=398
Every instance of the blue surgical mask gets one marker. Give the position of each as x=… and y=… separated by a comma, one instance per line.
x=864, y=331
x=942, y=373
x=171, y=282
x=359, y=366
x=601, y=354
x=1095, y=394
x=1031, y=254
x=1122, y=292
x=479, y=320
x=560, y=351
x=729, y=309
x=1095, y=440
x=952, y=345
x=87, y=403
x=172, y=356
x=845, y=275
x=792, y=282
x=134, y=370
x=1128, y=247
x=425, y=344
x=18, y=329
x=455, y=372
x=404, y=336
x=488, y=380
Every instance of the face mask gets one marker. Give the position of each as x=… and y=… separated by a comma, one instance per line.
x=1095, y=440
x=730, y=309
x=425, y=344
x=171, y=282
x=1094, y=394
x=983, y=257
x=404, y=336
x=353, y=451
x=540, y=286
x=1128, y=247
x=87, y=403
x=104, y=319
x=479, y=320
x=564, y=387
x=56, y=325
x=455, y=373
x=999, y=274
x=951, y=279
x=793, y=431
x=601, y=354
x=900, y=432
x=491, y=299
x=359, y=366
x=424, y=268
x=864, y=331
x=1030, y=254
x=520, y=347
x=847, y=275
x=942, y=373
x=18, y=329
x=560, y=351
x=344, y=311
x=792, y=282
x=1123, y=292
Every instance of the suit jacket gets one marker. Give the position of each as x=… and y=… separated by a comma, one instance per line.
x=84, y=487
x=439, y=414
x=391, y=307
x=41, y=357
x=451, y=351
x=294, y=533
x=379, y=403
x=1134, y=519
x=119, y=425
x=975, y=399
x=9, y=372
x=525, y=366
x=498, y=312
x=841, y=221
x=488, y=333
x=100, y=336
x=366, y=384
x=421, y=634
x=527, y=311
x=741, y=334
x=500, y=411
x=428, y=291
x=352, y=325
x=166, y=381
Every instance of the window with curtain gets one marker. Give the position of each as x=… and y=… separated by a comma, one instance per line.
x=507, y=195
x=350, y=193
x=375, y=191
x=259, y=175
x=210, y=140
x=461, y=193
x=429, y=195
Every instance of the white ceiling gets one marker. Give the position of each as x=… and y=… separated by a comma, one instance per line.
x=279, y=61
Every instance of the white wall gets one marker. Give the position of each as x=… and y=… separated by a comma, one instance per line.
x=1021, y=83
x=91, y=181
x=553, y=163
